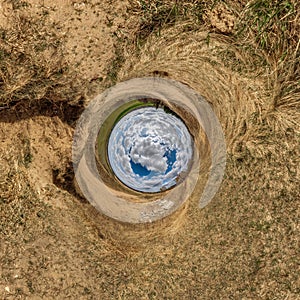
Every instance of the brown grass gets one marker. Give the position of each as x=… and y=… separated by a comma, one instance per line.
x=32, y=64
x=244, y=245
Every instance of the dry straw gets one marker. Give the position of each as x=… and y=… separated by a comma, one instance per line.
x=242, y=94
x=195, y=58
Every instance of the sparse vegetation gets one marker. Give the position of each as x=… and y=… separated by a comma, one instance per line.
x=269, y=31
x=245, y=244
x=272, y=24
x=156, y=15
x=27, y=155
x=32, y=65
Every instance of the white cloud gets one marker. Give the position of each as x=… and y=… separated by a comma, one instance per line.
x=144, y=136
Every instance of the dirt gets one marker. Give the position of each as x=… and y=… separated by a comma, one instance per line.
x=54, y=245
x=221, y=19
x=87, y=24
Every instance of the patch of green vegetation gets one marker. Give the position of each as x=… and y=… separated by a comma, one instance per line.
x=158, y=14
x=272, y=28
x=271, y=22
x=139, y=104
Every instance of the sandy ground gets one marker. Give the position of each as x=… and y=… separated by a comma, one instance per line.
x=54, y=245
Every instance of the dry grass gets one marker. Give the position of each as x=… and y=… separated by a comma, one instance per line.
x=254, y=89
x=32, y=64
x=245, y=244
x=187, y=57
x=250, y=76
x=272, y=31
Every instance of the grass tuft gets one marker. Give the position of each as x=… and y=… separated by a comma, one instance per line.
x=272, y=23
x=156, y=15
x=270, y=31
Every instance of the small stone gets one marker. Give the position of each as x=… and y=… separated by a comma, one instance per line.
x=79, y=6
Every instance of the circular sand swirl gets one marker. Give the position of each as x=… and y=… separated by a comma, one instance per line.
x=121, y=204
x=195, y=79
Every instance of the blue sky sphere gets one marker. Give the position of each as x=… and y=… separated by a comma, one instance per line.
x=148, y=149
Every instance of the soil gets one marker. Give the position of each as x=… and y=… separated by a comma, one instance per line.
x=55, y=245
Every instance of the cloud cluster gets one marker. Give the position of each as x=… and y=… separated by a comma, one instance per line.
x=144, y=137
